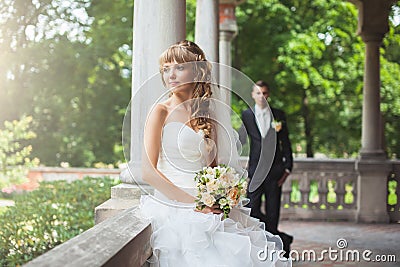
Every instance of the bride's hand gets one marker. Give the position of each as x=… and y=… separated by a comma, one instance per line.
x=214, y=209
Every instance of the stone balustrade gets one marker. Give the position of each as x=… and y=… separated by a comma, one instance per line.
x=316, y=190
x=321, y=190
x=122, y=240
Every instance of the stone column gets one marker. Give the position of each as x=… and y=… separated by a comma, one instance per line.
x=146, y=50
x=372, y=165
x=172, y=22
x=371, y=143
x=157, y=24
x=227, y=31
x=206, y=29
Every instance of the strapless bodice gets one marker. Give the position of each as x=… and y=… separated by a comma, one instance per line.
x=182, y=154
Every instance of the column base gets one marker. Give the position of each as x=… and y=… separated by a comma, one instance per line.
x=131, y=174
x=373, y=155
x=123, y=196
x=372, y=218
x=372, y=190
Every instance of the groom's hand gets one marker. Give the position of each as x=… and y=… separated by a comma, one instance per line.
x=283, y=178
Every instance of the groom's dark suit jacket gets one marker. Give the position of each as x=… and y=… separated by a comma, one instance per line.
x=274, y=148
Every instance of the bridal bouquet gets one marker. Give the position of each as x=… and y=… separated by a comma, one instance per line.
x=219, y=185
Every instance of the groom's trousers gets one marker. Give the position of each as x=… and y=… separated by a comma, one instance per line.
x=272, y=205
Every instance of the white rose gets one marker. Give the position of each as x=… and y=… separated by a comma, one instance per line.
x=212, y=186
x=207, y=199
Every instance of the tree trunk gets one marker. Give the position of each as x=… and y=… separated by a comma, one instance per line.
x=307, y=126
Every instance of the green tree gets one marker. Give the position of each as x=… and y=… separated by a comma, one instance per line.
x=390, y=90
x=75, y=82
x=14, y=153
x=310, y=54
x=322, y=64
x=68, y=63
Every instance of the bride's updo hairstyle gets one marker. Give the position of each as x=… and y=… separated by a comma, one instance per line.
x=189, y=52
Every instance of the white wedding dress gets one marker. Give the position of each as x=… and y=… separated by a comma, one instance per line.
x=184, y=237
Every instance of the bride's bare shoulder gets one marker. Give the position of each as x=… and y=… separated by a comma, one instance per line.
x=159, y=111
x=163, y=107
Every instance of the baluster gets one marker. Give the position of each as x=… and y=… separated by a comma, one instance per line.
x=313, y=196
x=323, y=190
x=340, y=190
x=393, y=203
x=353, y=191
x=331, y=196
x=304, y=186
x=395, y=216
x=286, y=191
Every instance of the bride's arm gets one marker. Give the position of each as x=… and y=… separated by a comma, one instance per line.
x=151, y=152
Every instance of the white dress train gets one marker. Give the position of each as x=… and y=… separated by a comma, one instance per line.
x=184, y=237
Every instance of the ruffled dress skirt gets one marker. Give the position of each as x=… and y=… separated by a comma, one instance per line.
x=184, y=237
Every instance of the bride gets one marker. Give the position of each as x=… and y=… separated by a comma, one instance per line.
x=181, y=136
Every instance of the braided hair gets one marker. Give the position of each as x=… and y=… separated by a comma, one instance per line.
x=184, y=52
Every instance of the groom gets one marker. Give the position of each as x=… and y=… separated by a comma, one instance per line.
x=268, y=133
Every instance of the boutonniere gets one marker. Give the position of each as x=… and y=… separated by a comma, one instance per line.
x=277, y=125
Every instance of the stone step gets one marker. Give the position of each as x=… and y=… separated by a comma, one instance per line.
x=125, y=191
x=112, y=207
x=130, y=191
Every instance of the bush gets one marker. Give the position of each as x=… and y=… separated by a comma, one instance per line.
x=14, y=153
x=49, y=216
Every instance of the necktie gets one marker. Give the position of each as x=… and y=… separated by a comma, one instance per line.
x=263, y=121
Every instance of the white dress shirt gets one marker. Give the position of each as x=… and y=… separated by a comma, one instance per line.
x=263, y=119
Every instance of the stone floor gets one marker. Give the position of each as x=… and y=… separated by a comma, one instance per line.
x=348, y=239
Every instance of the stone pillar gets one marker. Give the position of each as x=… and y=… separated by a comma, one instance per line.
x=157, y=24
x=146, y=50
x=372, y=190
x=206, y=30
x=172, y=22
x=371, y=143
x=372, y=166
x=227, y=31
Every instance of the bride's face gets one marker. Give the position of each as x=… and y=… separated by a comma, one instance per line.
x=178, y=76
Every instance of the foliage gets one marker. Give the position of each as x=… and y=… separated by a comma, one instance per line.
x=14, y=154
x=309, y=53
x=190, y=19
x=68, y=63
x=390, y=90
x=48, y=216
x=392, y=197
x=2, y=210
